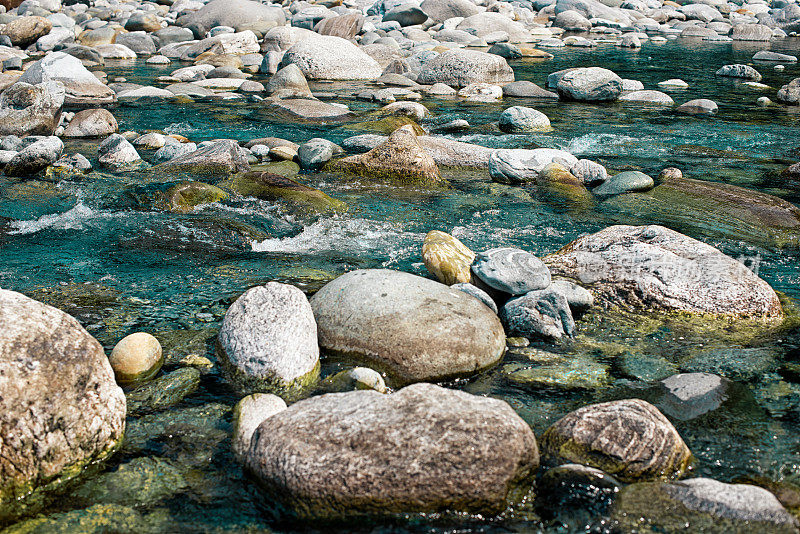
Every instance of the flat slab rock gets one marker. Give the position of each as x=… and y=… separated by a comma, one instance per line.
x=413, y=327
x=652, y=267
x=363, y=453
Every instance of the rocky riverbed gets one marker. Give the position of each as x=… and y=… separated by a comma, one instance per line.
x=399, y=266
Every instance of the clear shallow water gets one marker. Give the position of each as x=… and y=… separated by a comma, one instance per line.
x=98, y=249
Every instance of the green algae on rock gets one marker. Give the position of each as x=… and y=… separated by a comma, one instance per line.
x=447, y=258
x=269, y=186
x=711, y=209
x=97, y=519
x=399, y=158
x=164, y=391
x=186, y=196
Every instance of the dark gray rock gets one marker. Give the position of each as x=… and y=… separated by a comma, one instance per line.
x=437, y=449
x=511, y=270
x=163, y=392
x=538, y=314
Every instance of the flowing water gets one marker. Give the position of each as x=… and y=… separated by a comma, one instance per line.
x=96, y=248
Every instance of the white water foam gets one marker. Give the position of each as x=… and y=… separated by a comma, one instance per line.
x=74, y=219
x=358, y=237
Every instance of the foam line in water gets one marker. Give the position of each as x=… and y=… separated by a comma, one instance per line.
x=73, y=219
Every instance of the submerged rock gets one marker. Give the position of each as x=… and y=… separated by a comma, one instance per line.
x=558, y=371
x=271, y=186
x=690, y=395
x=629, y=439
x=654, y=268
x=163, y=392
x=415, y=328
x=712, y=209
x=447, y=258
x=61, y=409
x=354, y=379
x=186, y=196
x=139, y=482
x=268, y=341
x=438, y=449
x=400, y=157
x=701, y=505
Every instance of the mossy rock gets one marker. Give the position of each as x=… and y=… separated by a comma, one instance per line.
x=141, y=481
x=270, y=186
x=386, y=125
x=287, y=169
x=163, y=392
x=711, y=209
x=247, y=384
x=185, y=196
x=557, y=371
x=97, y=519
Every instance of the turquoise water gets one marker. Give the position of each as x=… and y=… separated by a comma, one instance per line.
x=99, y=249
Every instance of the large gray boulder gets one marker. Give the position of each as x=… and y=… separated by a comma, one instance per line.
x=459, y=68
x=81, y=86
x=518, y=165
x=35, y=157
x=590, y=84
x=422, y=449
x=745, y=72
x=654, y=268
x=238, y=14
x=60, y=409
x=414, y=328
x=116, y=153
x=485, y=23
x=790, y=93
x=751, y=32
x=31, y=109
x=268, y=341
x=325, y=57
x=700, y=505
x=92, y=123
x=629, y=439
x=218, y=159
x=442, y=10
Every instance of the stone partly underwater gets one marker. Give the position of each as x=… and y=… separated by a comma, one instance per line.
x=399, y=265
